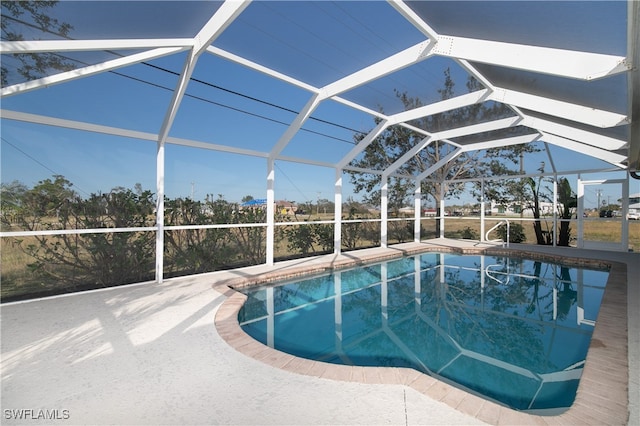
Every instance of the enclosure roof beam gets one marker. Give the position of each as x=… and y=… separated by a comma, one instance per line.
x=461, y=131
x=545, y=60
x=550, y=157
x=88, y=71
x=413, y=18
x=38, y=46
x=407, y=156
x=592, y=151
x=126, y=133
x=497, y=143
x=363, y=144
x=573, y=133
x=477, y=128
x=441, y=106
x=570, y=111
x=449, y=157
x=260, y=68
x=220, y=20
x=296, y=125
x=393, y=63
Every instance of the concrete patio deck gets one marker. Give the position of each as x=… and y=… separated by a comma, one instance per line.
x=153, y=354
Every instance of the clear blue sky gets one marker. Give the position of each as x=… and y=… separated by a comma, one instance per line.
x=95, y=162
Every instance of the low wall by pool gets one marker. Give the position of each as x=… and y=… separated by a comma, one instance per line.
x=602, y=395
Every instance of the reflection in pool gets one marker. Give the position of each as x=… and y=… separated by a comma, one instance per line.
x=515, y=331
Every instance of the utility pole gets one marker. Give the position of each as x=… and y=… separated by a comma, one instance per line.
x=599, y=193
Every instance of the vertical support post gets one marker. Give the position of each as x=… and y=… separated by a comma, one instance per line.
x=482, y=201
x=270, y=210
x=383, y=211
x=442, y=210
x=417, y=211
x=625, y=210
x=160, y=211
x=580, y=194
x=555, y=210
x=337, y=218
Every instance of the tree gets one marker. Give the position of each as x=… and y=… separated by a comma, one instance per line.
x=48, y=198
x=92, y=259
x=542, y=237
x=11, y=196
x=567, y=203
x=396, y=140
x=195, y=251
x=19, y=15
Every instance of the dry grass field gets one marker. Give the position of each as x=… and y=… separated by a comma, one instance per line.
x=596, y=229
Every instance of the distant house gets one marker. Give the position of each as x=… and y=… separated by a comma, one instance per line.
x=430, y=212
x=634, y=207
x=286, y=207
x=281, y=206
x=515, y=208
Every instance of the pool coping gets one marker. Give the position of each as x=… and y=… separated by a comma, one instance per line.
x=602, y=395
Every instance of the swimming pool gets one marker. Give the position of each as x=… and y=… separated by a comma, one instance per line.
x=513, y=330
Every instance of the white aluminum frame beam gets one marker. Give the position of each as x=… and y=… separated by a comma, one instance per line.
x=477, y=128
x=441, y=106
x=569, y=132
x=444, y=160
x=136, y=134
x=570, y=111
x=216, y=51
x=544, y=60
x=221, y=19
x=408, y=155
x=89, y=70
x=296, y=125
x=37, y=46
x=602, y=154
x=496, y=143
x=414, y=18
x=391, y=64
x=384, y=67
x=363, y=144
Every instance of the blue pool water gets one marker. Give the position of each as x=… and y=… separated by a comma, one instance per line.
x=515, y=331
